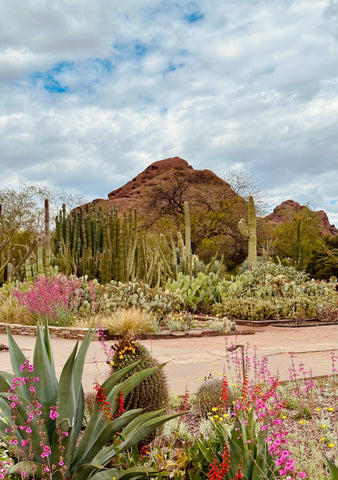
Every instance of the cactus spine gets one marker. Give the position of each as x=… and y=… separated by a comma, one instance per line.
x=249, y=232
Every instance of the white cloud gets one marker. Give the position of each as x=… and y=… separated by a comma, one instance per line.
x=91, y=93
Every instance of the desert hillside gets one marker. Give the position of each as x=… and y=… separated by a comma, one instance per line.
x=164, y=185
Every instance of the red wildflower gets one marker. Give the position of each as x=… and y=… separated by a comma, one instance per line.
x=219, y=470
x=102, y=401
x=120, y=403
x=224, y=396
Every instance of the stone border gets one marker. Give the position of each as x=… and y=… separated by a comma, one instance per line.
x=74, y=333
x=167, y=334
x=55, y=332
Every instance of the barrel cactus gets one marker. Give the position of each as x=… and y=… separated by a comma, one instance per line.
x=209, y=395
x=150, y=394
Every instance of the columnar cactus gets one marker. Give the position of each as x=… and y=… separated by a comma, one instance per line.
x=249, y=232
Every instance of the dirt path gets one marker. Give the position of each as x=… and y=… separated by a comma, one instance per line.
x=189, y=360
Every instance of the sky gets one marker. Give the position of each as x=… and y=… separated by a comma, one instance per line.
x=91, y=93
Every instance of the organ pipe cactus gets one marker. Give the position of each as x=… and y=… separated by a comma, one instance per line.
x=249, y=231
x=108, y=246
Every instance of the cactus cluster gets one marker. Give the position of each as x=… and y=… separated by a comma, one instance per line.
x=12, y=259
x=198, y=292
x=267, y=291
x=151, y=393
x=116, y=295
x=110, y=246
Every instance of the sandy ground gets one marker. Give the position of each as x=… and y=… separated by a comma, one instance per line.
x=191, y=359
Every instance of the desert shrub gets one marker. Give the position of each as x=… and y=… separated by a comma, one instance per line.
x=327, y=313
x=12, y=312
x=177, y=322
x=246, y=308
x=56, y=299
x=128, y=321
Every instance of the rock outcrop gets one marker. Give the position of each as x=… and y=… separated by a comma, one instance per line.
x=286, y=210
x=164, y=175
x=174, y=176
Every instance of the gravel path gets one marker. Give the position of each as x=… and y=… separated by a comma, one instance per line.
x=191, y=359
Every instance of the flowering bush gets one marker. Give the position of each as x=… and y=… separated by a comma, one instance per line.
x=57, y=299
x=50, y=298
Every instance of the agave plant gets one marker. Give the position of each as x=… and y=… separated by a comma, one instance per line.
x=247, y=450
x=332, y=467
x=42, y=417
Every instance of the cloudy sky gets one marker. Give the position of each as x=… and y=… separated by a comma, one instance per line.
x=92, y=92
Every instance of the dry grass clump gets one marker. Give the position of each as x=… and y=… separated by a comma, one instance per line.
x=130, y=321
x=12, y=312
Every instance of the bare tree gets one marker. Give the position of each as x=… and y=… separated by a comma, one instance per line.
x=23, y=207
x=245, y=184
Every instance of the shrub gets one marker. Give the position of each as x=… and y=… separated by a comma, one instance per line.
x=56, y=299
x=12, y=312
x=128, y=321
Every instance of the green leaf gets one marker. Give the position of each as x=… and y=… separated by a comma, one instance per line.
x=333, y=469
x=116, y=377
x=89, y=447
x=66, y=397
x=48, y=345
x=5, y=381
x=85, y=471
x=206, y=452
x=130, y=474
x=145, y=417
x=31, y=468
x=131, y=382
x=70, y=396
x=144, y=428
x=141, y=430
x=17, y=359
x=46, y=373
x=111, y=389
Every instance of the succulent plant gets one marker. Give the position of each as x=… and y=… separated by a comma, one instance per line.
x=42, y=417
x=209, y=395
x=151, y=393
x=249, y=232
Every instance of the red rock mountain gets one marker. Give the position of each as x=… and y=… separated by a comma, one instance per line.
x=166, y=175
x=285, y=209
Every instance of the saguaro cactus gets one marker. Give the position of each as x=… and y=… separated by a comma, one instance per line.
x=249, y=232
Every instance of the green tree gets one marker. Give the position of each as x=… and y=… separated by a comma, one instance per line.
x=323, y=262
x=298, y=237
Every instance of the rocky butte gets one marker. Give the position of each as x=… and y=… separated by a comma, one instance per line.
x=169, y=175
